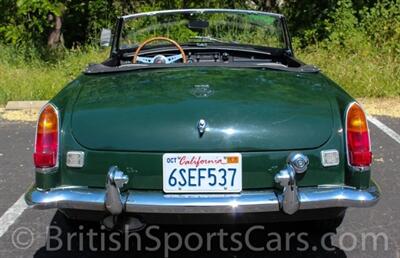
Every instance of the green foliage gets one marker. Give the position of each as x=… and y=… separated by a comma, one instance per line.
x=355, y=42
x=345, y=22
x=351, y=24
x=306, y=18
x=382, y=24
x=341, y=25
x=26, y=20
x=373, y=75
x=358, y=47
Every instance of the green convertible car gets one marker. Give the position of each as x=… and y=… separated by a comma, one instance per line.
x=202, y=116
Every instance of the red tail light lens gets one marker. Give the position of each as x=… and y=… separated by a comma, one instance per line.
x=46, y=145
x=358, y=141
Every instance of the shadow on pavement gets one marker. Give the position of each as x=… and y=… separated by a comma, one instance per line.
x=276, y=240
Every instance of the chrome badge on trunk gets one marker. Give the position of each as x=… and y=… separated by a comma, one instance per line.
x=202, y=91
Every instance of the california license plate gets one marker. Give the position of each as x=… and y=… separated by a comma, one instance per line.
x=202, y=172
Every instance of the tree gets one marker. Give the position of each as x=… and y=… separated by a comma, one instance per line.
x=55, y=37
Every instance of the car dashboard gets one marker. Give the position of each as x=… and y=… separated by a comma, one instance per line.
x=201, y=56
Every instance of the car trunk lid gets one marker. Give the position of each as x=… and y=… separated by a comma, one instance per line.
x=245, y=110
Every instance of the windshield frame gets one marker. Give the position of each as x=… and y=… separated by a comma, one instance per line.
x=121, y=20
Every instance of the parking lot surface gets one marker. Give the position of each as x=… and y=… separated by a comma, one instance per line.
x=28, y=234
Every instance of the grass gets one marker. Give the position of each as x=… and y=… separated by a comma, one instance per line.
x=38, y=79
x=362, y=73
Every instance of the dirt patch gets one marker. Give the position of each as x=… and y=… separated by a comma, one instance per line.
x=381, y=106
x=19, y=115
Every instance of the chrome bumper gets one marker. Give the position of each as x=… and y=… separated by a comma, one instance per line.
x=158, y=202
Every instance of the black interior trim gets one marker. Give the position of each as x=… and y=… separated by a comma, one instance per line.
x=101, y=68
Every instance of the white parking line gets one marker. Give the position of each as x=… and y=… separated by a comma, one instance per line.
x=12, y=214
x=395, y=136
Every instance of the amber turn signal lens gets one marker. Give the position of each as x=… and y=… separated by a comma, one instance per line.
x=46, y=145
x=358, y=141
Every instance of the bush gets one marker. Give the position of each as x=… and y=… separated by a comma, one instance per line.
x=361, y=48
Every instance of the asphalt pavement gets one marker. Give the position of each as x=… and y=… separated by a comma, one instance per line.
x=28, y=234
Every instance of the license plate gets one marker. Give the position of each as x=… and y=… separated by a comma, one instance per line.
x=202, y=172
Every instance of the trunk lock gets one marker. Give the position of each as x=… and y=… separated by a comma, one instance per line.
x=297, y=163
x=202, y=126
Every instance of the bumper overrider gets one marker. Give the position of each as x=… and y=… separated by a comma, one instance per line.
x=289, y=198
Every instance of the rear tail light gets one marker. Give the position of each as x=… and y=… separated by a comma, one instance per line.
x=358, y=141
x=46, y=144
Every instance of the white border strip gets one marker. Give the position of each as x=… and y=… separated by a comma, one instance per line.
x=12, y=214
x=395, y=136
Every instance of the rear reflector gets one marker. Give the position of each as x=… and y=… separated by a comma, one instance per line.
x=46, y=144
x=75, y=159
x=358, y=141
x=330, y=158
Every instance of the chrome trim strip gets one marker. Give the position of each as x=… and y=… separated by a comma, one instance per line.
x=209, y=10
x=157, y=202
x=47, y=170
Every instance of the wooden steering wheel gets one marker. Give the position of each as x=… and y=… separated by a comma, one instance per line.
x=168, y=60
